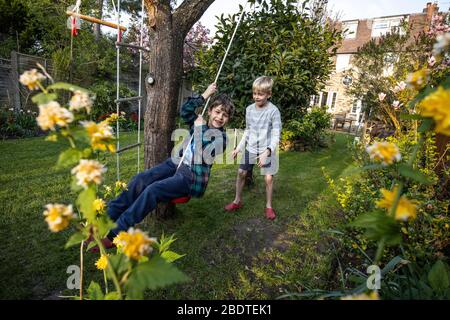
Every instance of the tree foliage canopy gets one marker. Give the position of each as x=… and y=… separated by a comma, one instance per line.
x=286, y=40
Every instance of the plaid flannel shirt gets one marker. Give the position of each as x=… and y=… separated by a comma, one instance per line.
x=201, y=171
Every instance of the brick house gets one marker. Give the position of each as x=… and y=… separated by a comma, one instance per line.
x=360, y=32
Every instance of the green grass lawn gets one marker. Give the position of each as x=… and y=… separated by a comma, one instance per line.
x=228, y=255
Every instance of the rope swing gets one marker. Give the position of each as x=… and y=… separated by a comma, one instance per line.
x=217, y=76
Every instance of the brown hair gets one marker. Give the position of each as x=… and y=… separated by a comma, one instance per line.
x=225, y=102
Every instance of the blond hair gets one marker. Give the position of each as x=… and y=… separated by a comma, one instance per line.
x=263, y=84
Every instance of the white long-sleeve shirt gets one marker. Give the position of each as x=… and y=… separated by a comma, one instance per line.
x=262, y=128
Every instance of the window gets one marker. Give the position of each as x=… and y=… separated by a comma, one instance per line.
x=316, y=100
x=342, y=62
x=355, y=106
x=389, y=60
x=324, y=99
x=357, y=111
x=333, y=101
x=352, y=29
x=383, y=26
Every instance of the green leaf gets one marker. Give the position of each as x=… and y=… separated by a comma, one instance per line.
x=409, y=172
x=411, y=116
x=69, y=158
x=378, y=226
x=44, y=98
x=392, y=264
x=91, y=245
x=171, y=256
x=75, y=239
x=112, y=296
x=156, y=273
x=446, y=83
x=85, y=202
x=120, y=263
x=94, y=291
x=66, y=86
x=426, y=125
x=164, y=242
x=438, y=277
x=104, y=224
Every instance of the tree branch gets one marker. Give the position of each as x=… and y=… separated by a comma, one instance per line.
x=188, y=13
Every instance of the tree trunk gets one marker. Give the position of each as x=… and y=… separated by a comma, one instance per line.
x=97, y=30
x=166, y=67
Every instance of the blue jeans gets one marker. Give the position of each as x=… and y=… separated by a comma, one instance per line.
x=161, y=183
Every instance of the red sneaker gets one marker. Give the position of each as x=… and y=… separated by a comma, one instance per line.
x=233, y=206
x=270, y=214
x=107, y=244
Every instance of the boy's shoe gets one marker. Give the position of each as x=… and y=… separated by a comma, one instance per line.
x=270, y=214
x=107, y=244
x=233, y=206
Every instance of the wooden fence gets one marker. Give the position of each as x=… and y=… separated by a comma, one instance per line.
x=14, y=95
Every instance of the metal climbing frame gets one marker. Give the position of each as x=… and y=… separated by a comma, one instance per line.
x=119, y=100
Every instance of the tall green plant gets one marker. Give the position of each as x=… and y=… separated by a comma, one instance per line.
x=133, y=268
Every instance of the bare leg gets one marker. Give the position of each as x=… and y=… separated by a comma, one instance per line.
x=269, y=189
x=240, y=181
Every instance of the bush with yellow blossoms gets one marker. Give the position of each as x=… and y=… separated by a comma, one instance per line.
x=135, y=266
x=398, y=202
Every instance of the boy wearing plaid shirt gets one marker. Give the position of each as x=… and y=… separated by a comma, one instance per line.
x=167, y=181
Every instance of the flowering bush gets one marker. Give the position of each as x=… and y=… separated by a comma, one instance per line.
x=18, y=124
x=398, y=204
x=134, y=267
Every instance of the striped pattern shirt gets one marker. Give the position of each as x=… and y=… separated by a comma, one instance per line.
x=262, y=129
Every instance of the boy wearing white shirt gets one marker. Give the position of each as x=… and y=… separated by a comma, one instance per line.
x=259, y=143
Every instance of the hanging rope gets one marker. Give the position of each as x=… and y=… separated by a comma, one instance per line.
x=217, y=76
x=118, y=90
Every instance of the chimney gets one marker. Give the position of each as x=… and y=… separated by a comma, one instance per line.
x=430, y=10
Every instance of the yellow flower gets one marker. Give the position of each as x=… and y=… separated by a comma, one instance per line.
x=51, y=114
x=406, y=209
x=446, y=226
x=101, y=135
x=99, y=205
x=102, y=262
x=31, y=78
x=58, y=216
x=80, y=100
x=134, y=243
x=88, y=171
x=418, y=79
x=384, y=152
x=437, y=106
x=121, y=185
x=52, y=138
x=363, y=296
x=111, y=119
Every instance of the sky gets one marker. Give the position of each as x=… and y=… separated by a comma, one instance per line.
x=347, y=9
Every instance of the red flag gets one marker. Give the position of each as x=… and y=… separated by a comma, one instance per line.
x=74, y=27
